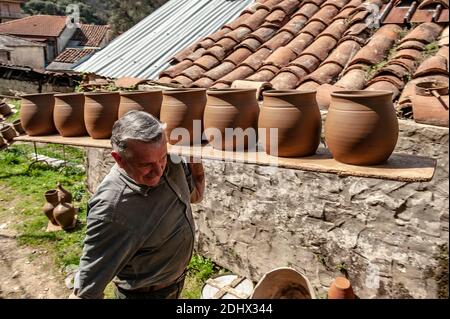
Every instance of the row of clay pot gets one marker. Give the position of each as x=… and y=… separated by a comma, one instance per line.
x=58, y=207
x=78, y=114
x=361, y=126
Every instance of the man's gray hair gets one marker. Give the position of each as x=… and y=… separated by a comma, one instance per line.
x=138, y=126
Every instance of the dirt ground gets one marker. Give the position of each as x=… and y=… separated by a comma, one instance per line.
x=26, y=272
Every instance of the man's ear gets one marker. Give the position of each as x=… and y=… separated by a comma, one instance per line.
x=117, y=158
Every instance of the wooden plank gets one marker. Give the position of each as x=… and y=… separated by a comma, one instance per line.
x=400, y=167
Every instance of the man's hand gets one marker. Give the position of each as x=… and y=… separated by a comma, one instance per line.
x=198, y=175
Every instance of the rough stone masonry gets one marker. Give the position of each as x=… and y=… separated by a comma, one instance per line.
x=390, y=238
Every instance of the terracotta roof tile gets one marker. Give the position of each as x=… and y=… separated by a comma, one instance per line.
x=295, y=25
x=300, y=43
x=255, y=20
x=425, y=33
x=281, y=57
x=280, y=39
x=250, y=43
x=325, y=14
x=263, y=34
x=288, y=78
x=307, y=10
x=220, y=71
x=220, y=52
x=207, y=62
x=91, y=35
x=240, y=72
x=256, y=60
x=176, y=69
x=314, y=28
x=353, y=80
x=180, y=56
x=308, y=62
x=206, y=43
x=203, y=83
x=265, y=73
x=194, y=72
x=216, y=36
x=72, y=55
x=183, y=80
x=412, y=54
x=288, y=6
x=321, y=47
x=239, y=55
x=36, y=25
x=336, y=29
x=343, y=53
x=196, y=54
x=437, y=64
x=378, y=45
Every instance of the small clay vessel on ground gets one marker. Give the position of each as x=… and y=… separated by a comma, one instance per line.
x=180, y=108
x=148, y=101
x=361, y=127
x=228, y=111
x=100, y=113
x=430, y=104
x=296, y=118
x=8, y=132
x=36, y=114
x=3, y=144
x=69, y=114
x=5, y=109
x=51, y=197
x=18, y=127
x=62, y=192
x=341, y=288
x=64, y=214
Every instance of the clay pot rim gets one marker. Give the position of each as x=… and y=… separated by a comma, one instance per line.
x=37, y=94
x=230, y=90
x=100, y=93
x=360, y=93
x=286, y=92
x=5, y=127
x=131, y=93
x=69, y=94
x=51, y=192
x=17, y=121
x=182, y=90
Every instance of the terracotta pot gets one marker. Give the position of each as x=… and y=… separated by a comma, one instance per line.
x=64, y=214
x=430, y=103
x=149, y=102
x=100, y=113
x=69, y=114
x=36, y=114
x=18, y=127
x=180, y=107
x=361, y=127
x=3, y=144
x=296, y=116
x=5, y=109
x=62, y=192
x=341, y=288
x=231, y=109
x=8, y=133
x=51, y=197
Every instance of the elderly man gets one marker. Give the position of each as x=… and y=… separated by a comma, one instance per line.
x=140, y=230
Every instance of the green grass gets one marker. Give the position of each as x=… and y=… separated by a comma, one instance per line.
x=22, y=195
x=26, y=197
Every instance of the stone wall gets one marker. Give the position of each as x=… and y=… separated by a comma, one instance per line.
x=390, y=238
x=10, y=87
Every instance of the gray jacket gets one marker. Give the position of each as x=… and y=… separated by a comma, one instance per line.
x=143, y=235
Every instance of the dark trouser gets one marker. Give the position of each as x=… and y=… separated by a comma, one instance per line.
x=171, y=292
